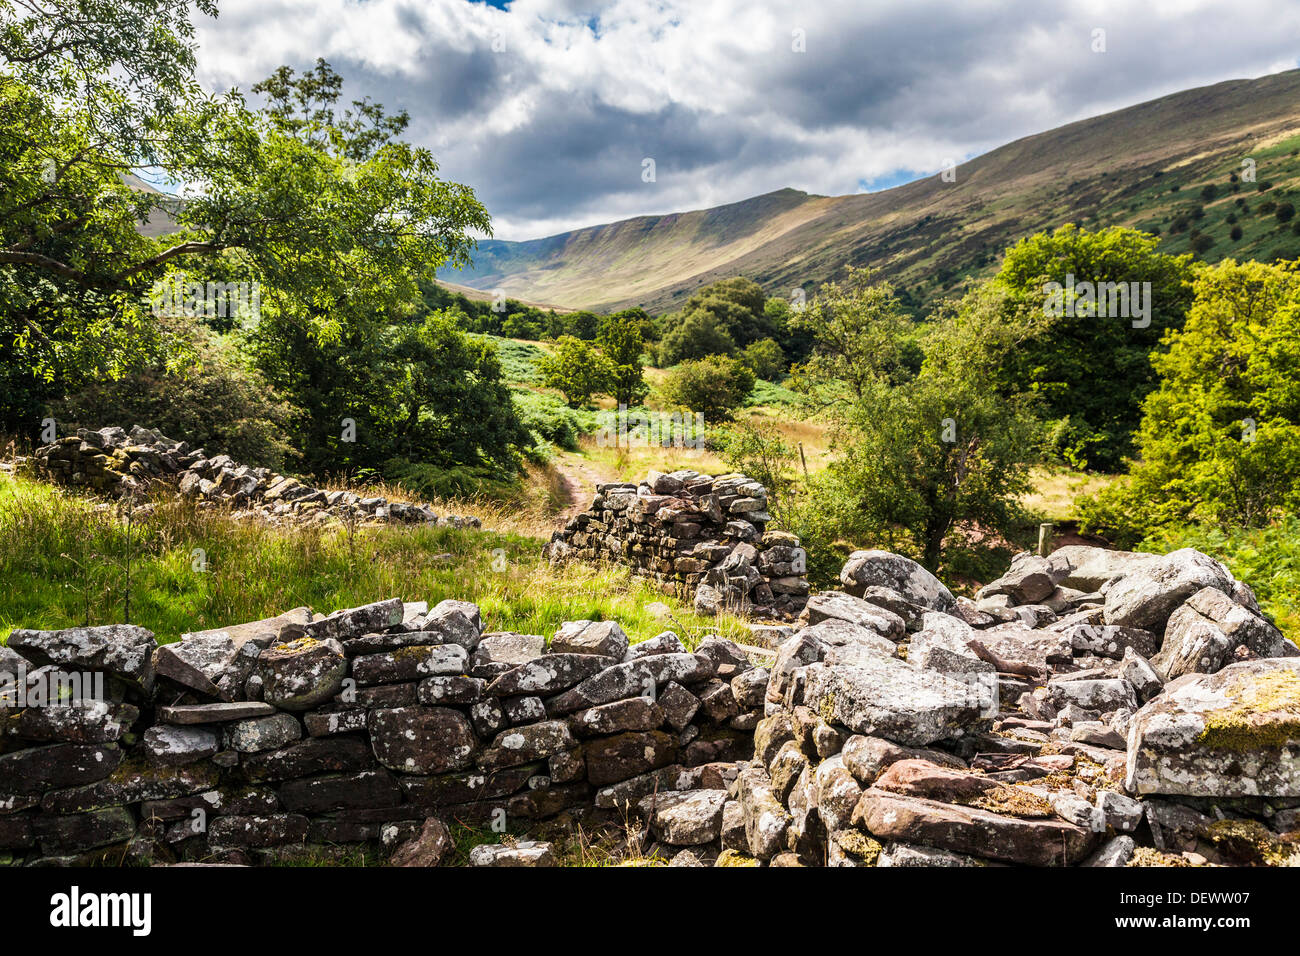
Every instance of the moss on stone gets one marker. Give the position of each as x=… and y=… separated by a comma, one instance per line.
x=859, y=845
x=1149, y=856
x=1265, y=713
x=735, y=858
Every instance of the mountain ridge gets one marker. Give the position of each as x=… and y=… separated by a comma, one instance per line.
x=1119, y=168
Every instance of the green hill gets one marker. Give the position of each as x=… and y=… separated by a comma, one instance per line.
x=1143, y=166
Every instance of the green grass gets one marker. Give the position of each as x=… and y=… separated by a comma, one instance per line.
x=518, y=359
x=1268, y=559
x=772, y=395
x=63, y=562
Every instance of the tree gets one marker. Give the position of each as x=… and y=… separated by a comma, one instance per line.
x=1219, y=441
x=765, y=358
x=1091, y=366
x=577, y=370
x=622, y=342
x=696, y=335
x=859, y=333
x=714, y=386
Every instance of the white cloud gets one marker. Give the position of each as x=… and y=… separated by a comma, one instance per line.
x=550, y=128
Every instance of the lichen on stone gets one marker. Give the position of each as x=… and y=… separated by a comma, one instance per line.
x=1265, y=713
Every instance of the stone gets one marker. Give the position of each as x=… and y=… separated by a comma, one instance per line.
x=632, y=679
x=123, y=651
x=85, y=721
x=452, y=689
x=523, y=853
x=627, y=755
x=1107, y=640
x=1241, y=625
x=197, y=663
x=257, y=832
x=362, y=790
x=1135, y=669
x=507, y=648
x=78, y=832
x=678, y=704
x=942, y=645
x=1193, y=644
x=132, y=781
x=1090, y=568
x=1119, y=810
x=303, y=672
x=410, y=663
x=634, y=713
x=604, y=638
x=837, y=792
x=766, y=819
x=688, y=818
x=907, y=854
x=174, y=746
x=240, y=633
x=1235, y=733
x=1147, y=596
x=214, y=713
x=423, y=740
x=838, y=606
x=750, y=688
x=457, y=622
x=1097, y=694
x=1116, y=851
x=38, y=769
x=548, y=674
x=357, y=621
x=263, y=733
x=1028, y=581
x=865, y=569
x=885, y=697
x=429, y=848
x=969, y=830
x=520, y=745
x=665, y=643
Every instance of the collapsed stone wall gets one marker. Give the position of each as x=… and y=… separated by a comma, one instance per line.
x=254, y=742
x=1092, y=708
x=702, y=536
x=115, y=462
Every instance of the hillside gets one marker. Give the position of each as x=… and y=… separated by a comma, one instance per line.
x=1142, y=166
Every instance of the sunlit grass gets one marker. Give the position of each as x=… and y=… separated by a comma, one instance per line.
x=64, y=563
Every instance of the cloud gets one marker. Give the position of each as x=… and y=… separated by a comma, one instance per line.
x=548, y=107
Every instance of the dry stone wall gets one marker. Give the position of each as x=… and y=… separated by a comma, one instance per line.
x=115, y=462
x=705, y=537
x=306, y=731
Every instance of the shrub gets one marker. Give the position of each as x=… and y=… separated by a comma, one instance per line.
x=714, y=387
x=765, y=359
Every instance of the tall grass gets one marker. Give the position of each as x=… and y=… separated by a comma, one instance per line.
x=63, y=563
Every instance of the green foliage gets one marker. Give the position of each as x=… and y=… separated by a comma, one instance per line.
x=1219, y=441
x=860, y=334
x=713, y=387
x=622, y=341
x=218, y=403
x=1090, y=369
x=577, y=370
x=696, y=335
x=719, y=319
x=920, y=457
x=765, y=359
x=553, y=421
x=758, y=449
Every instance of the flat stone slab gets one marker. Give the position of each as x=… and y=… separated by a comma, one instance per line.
x=239, y=633
x=213, y=713
x=1231, y=734
x=997, y=836
x=885, y=697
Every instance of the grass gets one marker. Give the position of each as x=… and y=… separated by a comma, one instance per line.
x=1057, y=489
x=63, y=560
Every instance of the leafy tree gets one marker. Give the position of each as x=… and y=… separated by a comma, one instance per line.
x=1219, y=441
x=622, y=342
x=577, y=370
x=714, y=386
x=765, y=358
x=696, y=335
x=860, y=334
x=1091, y=369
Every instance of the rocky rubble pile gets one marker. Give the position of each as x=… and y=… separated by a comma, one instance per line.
x=1092, y=708
x=372, y=725
x=113, y=461
x=700, y=535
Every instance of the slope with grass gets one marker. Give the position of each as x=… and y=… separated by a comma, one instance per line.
x=1140, y=166
x=66, y=561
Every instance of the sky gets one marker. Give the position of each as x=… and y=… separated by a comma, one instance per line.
x=550, y=109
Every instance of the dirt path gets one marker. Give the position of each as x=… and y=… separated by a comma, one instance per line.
x=580, y=481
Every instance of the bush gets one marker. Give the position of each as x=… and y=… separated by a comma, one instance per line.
x=577, y=370
x=550, y=420
x=217, y=402
x=765, y=359
x=714, y=386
